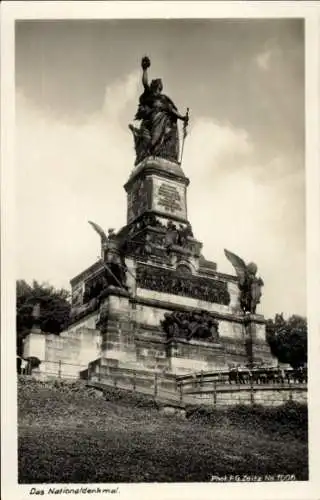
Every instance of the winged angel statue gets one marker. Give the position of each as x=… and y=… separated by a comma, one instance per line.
x=249, y=284
x=113, y=258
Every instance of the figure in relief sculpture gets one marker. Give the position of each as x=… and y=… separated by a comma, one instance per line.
x=177, y=236
x=190, y=325
x=249, y=284
x=158, y=132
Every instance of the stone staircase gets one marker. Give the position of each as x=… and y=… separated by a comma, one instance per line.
x=161, y=386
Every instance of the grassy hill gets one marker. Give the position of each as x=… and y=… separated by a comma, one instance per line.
x=71, y=434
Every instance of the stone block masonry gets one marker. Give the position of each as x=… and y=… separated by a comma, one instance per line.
x=64, y=355
x=266, y=396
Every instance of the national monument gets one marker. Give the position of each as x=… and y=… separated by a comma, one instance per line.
x=153, y=301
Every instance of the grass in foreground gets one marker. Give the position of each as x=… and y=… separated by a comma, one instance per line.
x=72, y=436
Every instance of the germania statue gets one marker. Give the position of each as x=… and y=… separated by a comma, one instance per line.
x=158, y=132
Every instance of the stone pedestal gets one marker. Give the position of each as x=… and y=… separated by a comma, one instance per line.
x=257, y=348
x=35, y=345
x=115, y=324
x=159, y=186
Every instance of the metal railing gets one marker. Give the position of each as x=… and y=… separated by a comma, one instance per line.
x=54, y=369
x=152, y=382
x=246, y=376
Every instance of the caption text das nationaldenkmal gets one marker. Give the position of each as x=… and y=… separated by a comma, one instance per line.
x=73, y=491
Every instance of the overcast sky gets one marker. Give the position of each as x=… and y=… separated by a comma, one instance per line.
x=77, y=86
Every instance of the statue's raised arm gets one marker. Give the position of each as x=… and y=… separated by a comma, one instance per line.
x=145, y=64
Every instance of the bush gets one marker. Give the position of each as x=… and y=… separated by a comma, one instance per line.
x=32, y=385
x=33, y=363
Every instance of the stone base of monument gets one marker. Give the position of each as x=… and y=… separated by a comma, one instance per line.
x=172, y=311
x=132, y=337
x=115, y=325
x=125, y=333
x=257, y=348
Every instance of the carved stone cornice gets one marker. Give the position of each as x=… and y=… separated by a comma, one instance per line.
x=150, y=340
x=169, y=306
x=198, y=343
x=112, y=290
x=160, y=166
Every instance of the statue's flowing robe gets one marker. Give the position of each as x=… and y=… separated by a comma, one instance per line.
x=256, y=293
x=250, y=287
x=159, y=126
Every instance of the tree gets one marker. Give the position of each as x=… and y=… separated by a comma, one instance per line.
x=54, y=309
x=288, y=339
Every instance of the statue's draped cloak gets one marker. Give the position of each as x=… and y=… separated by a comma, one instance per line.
x=158, y=130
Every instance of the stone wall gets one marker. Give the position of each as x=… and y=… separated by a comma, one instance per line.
x=35, y=345
x=88, y=321
x=192, y=356
x=183, y=301
x=116, y=328
x=128, y=329
x=148, y=314
x=64, y=355
x=132, y=334
x=266, y=396
x=151, y=353
x=165, y=385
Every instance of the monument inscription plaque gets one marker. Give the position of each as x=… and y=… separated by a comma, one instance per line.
x=169, y=197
